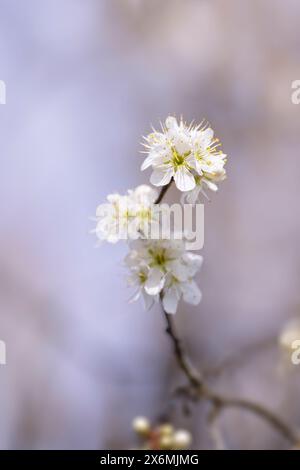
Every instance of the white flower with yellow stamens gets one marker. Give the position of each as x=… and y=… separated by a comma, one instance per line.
x=210, y=161
x=127, y=217
x=138, y=279
x=164, y=268
x=170, y=155
x=189, y=154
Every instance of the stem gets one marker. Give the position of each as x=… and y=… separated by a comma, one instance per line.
x=163, y=191
x=197, y=385
x=181, y=357
x=290, y=434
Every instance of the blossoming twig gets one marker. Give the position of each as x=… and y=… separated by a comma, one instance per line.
x=163, y=270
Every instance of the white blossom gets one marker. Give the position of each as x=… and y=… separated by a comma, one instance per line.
x=182, y=439
x=128, y=216
x=141, y=426
x=189, y=154
x=162, y=436
x=163, y=268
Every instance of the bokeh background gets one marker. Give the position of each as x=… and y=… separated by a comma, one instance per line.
x=85, y=79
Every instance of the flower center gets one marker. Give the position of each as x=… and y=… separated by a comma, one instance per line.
x=159, y=258
x=179, y=160
x=145, y=214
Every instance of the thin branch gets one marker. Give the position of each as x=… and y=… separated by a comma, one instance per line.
x=289, y=433
x=235, y=359
x=220, y=402
x=214, y=429
x=182, y=360
x=163, y=191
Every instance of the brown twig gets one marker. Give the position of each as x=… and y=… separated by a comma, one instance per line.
x=236, y=358
x=197, y=388
x=163, y=192
x=182, y=360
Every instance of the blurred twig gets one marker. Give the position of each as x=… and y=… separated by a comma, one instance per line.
x=235, y=359
x=197, y=388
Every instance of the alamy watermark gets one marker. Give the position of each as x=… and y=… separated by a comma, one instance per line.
x=2, y=92
x=2, y=353
x=177, y=222
x=295, y=357
x=158, y=222
x=295, y=96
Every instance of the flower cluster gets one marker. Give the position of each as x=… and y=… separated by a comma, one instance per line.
x=189, y=154
x=159, y=268
x=163, y=269
x=162, y=436
x=126, y=217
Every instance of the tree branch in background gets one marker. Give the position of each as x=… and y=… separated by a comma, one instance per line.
x=197, y=389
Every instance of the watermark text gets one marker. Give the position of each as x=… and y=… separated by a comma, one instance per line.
x=296, y=354
x=295, y=96
x=2, y=92
x=2, y=353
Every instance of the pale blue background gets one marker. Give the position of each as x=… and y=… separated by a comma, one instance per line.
x=85, y=78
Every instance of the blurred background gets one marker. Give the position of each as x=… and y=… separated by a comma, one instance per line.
x=85, y=80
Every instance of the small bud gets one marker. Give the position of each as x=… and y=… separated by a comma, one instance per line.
x=182, y=439
x=166, y=429
x=166, y=442
x=141, y=426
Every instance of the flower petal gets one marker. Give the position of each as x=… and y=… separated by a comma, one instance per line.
x=193, y=261
x=171, y=123
x=179, y=270
x=161, y=177
x=184, y=179
x=191, y=293
x=212, y=186
x=170, y=300
x=144, y=194
x=152, y=159
x=135, y=296
x=155, y=282
x=148, y=300
x=206, y=137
